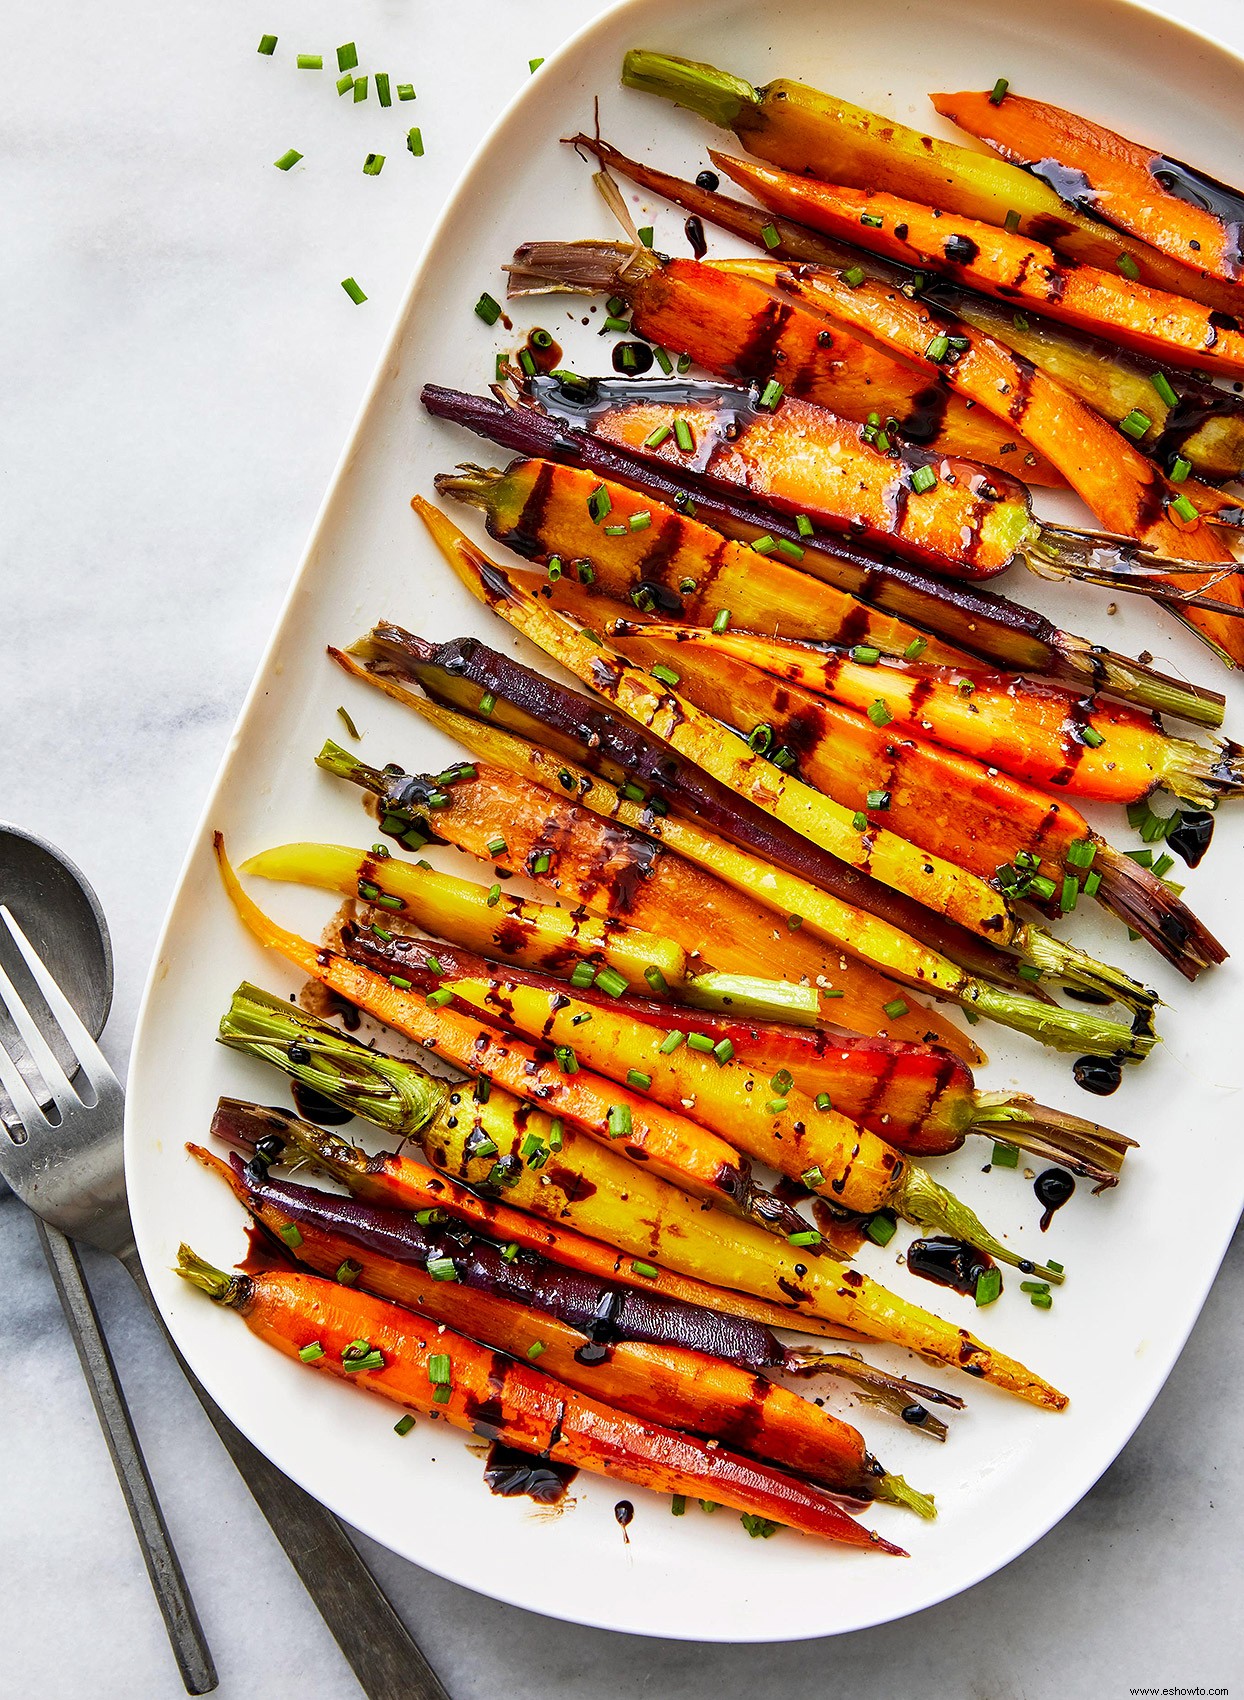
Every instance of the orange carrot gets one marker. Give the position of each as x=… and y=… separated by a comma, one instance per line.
x=411, y=1362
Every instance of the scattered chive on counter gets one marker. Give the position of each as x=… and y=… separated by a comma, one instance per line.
x=287, y=160
x=373, y=165
x=267, y=45
x=347, y=57
x=310, y=61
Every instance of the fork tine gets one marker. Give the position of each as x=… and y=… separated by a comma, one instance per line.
x=54, y=1076
x=25, y=1104
x=91, y=1059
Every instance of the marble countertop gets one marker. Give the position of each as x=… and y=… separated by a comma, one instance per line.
x=180, y=370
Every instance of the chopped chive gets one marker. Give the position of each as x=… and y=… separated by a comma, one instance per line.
x=540, y=863
x=599, y=504
x=808, y=1236
x=803, y=525
x=638, y=1079
x=782, y=1081
x=915, y=649
x=288, y=160
x=765, y=545
x=812, y=1178
x=369, y=1360
x=1092, y=737
x=440, y=1368
x=823, y=1101
x=938, y=349
x=896, y=1008
x=640, y=521
x=487, y=703
x=1135, y=424
x=346, y=83
x=1011, y=224
x=609, y=981
x=348, y=1272
x=615, y=531
x=347, y=57
x=879, y=714
x=922, y=479
x=487, y=309
x=1042, y=887
x=645, y=235
x=1080, y=852
x=1163, y=865
x=267, y=45
x=988, y=1287
x=656, y=980
x=721, y=620
x=1128, y=267
x=430, y=1218
x=775, y=1107
x=382, y=89
x=565, y=1059
x=360, y=89
x=1028, y=972
x=666, y=675
x=678, y=1505
x=1005, y=1157
x=414, y=138
x=672, y=1040
x=1143, y=858
x=771, y=394
x=663, y=361
x=866, y=654
x=373, y=165
x=760, y=739
x=434, y=963
x=1092, y=884
x=854, y=277
x=699, y=1042
x=615, y=323
x=792, y=551
x=1180, y=470
x=872, y=220
x=683, y=436
x=405, y=91
x=494, y=896
x=496, y=847
x=769, y=236
x=723, y=1050
x=535, y=1349
x=583, y=976
x=1069, y=894
x=1041, y=1301
x=442, y=1269
x=401, y=984
x=998, y=93
x=1162, y=385
x=879, y=800
x=618, y=1121
x=859, y=821
x=441, y=1395
x=1184, y=507
x=439, y=998
x=310, y=1354
x=1034, y=1286
x=646, y=1269
x=310, y=61
x=557, y=1134
x=881, y=1229
x=403, y=1425
x=510, y=1252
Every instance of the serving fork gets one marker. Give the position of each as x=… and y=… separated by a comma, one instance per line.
x=70, y=1171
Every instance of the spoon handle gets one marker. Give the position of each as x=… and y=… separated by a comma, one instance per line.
x=380, y=1650
x=194, y=1659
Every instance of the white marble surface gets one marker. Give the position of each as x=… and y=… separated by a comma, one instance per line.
x=180, y=369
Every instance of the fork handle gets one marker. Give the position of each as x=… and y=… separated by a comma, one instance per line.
x=194, y=1659
x=378, y=1647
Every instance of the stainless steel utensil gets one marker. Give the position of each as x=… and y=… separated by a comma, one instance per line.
x=71, y=1172
x=61, y=911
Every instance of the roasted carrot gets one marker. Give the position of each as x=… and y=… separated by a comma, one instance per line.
x=805, y=1139
x=616, y=870
x=1018, y=268
x=807, y=131
x=787, y=458
x=640, y=1215
x=939, y=884
x=1007, y=633
x=1169, y=205
x=730, y=326
x=1201, y=424
x=1028, y=728
x=1120, y=485
x=594, y=737
x=803, y=906
x=413, y=889
x=294, y=1311
x=668, y=1143
x=519, y=1306
x=669, y=561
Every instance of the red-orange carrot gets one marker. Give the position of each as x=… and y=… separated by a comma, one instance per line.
x=444, y=1375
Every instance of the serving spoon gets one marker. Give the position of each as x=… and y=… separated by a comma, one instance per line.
x=84, y=1188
